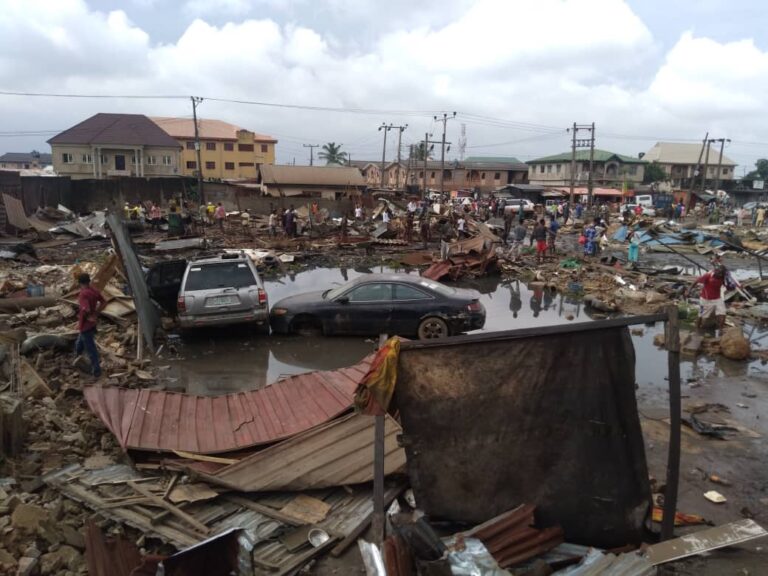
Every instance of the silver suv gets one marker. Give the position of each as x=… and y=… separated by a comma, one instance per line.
x=223, y=290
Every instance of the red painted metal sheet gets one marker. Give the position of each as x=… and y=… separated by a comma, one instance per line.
x=155, y=420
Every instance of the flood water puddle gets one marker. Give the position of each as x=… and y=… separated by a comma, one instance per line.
x=212, y=362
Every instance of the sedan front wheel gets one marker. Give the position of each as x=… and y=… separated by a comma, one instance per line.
x=433, y=328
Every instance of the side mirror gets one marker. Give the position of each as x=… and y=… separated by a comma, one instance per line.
x=343, y=300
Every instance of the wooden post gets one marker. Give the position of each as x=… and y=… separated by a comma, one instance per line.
x=672, y=340
x=139, y=343
x=378, y=474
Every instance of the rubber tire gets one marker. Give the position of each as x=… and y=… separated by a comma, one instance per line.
x=307, y=326
x=433, y=327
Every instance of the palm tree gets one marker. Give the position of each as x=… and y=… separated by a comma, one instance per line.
x=332, y=154
x=418, y=151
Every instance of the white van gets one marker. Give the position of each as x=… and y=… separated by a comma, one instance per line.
x=644, y=200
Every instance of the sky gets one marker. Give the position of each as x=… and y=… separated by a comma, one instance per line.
x=517, y=73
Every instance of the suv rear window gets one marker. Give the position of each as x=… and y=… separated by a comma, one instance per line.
x=225, y=275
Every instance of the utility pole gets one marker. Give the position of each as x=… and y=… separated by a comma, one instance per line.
x=706, y=167
x=720, y=161
x=444, y=120
x=386, y=128
x=196, y=100
x=311, y=152
x=400, y=130
x=427, y=150
x=692, y=182
x=582, y=143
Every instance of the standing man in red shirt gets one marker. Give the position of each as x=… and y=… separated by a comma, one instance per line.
x=91, y=303
x=711, y=300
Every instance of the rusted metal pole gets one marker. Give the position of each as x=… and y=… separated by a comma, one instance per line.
x=378, y=474
x=672, y=340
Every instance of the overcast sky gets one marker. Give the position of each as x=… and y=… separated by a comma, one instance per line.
x=517, y=72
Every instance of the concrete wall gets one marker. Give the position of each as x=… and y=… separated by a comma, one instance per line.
x=81, y=168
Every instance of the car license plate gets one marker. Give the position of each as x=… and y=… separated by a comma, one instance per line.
x=223, y=301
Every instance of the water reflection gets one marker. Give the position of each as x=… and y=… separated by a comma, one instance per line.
x=222, y=361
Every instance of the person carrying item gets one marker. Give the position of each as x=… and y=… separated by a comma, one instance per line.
x=539, y=234
x=91, y=302
x=273, y=223
x=711, y=299
x=508, y=217
x=591, y=238
x=760, y=220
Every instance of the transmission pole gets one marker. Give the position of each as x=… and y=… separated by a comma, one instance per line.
x=195, y=101
x=444, y=120
x=400, y=130
x=692, y=181
x=706, y=167
x=720, y=161
x=582, y=143
x=311, y=152
x=427, y=149
x=386, y=128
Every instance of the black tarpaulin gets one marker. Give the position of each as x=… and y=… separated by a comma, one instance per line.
x=549, y=420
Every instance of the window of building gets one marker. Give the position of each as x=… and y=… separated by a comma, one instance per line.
x=87, y=159
x=210, y=145
x=210, y=165
x=421, y=173
x=497, y=175
x=446, y=174
x=151, y=160
x=541, y=169
x=104, y=159
x=190, y=145
x=228, y=146
x=133, y=158
x=482, y=175
x=264, y=148
x=167, y=161
x=229, y=165
x=432, y=175
x=245, y=147
x=67, y=158
x=725, y=171
x=632, y=170
x=559, y=168
x=245, y=164
x=549, y=168
x=191, y=164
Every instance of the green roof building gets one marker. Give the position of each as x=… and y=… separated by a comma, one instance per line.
x=609, y=169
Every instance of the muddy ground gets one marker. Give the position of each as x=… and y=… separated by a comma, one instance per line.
x=735, y=393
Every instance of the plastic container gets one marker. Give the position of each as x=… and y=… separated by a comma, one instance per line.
x=35, y=290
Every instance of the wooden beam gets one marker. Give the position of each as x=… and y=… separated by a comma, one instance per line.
x=672, y=342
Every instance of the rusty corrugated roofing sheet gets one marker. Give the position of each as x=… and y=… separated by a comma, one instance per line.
x=155, y=420
x=337, y=453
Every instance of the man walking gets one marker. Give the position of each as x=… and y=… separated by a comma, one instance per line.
x=711, y=299
x=517, y=244
x=539, y=234
x=552, y=235
x=220, y=214
x=91, y=302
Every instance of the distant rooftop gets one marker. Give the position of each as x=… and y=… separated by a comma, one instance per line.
x=120, y=129
x=583, y=155
x=679, y=153
x=27, y=157
x=184, y=129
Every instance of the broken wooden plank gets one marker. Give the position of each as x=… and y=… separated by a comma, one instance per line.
x=175, y=510
x=204, y=458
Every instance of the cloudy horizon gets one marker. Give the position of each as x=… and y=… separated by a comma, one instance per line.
x=517, y=72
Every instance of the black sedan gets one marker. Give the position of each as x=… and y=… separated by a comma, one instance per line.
x=381, y=304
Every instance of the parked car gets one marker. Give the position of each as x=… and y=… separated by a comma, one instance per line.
x=223, y=290
x=649, y=211
x=515, y=204
x=381, y=303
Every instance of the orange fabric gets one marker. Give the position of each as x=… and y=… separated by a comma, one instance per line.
x=375, y=392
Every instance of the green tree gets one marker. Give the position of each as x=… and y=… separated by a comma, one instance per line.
x=760, y=172
x=418, y=151
x=654, y=173
x=332, y=154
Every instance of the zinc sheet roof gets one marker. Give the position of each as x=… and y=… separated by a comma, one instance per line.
x=311, y=175
x=156, y=420
x=583, y=155
x=338, y=453
x=682, y=153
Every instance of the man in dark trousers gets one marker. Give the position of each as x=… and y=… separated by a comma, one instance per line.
x=91, y=302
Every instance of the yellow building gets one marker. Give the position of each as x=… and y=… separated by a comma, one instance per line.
x=226, y=150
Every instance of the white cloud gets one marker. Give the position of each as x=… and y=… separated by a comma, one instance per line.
x=209, y=7
x=548, y=62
